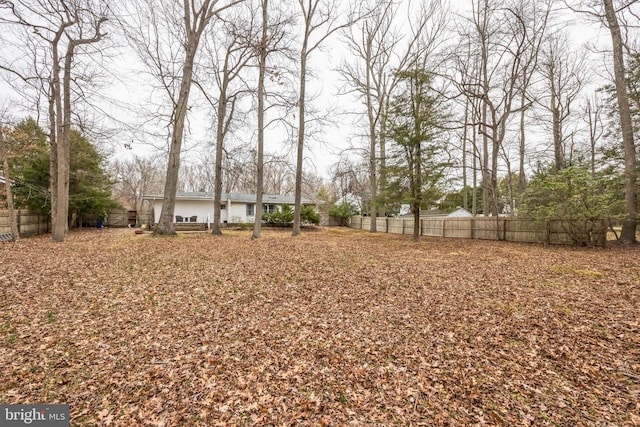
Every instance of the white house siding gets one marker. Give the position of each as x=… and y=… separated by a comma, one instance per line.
x=200, y=205
x=233, y=212
x=238, y=213
x=202, y=209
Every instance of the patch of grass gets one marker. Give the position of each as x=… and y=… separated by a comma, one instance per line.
x=582, y=272
x=560, y=269
x=588, y=273
x=563, y=309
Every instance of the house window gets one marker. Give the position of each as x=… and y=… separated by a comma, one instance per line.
x=251, y=211
x=268, y=208
x=223, y=207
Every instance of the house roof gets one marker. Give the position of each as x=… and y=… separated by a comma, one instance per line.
x=233, y=197
x=458, y=213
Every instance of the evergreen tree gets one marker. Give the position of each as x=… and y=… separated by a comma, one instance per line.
x=415, y=168
x=89, y=185
x=30, y=172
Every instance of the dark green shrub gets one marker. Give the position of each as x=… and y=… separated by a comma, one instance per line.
x=308, y=215
x=281, y=216
x=342, y=212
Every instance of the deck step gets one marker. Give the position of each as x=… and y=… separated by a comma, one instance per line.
x=6, y=237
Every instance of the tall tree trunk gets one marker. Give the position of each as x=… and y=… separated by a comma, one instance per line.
x=300, y=147
x=484, y=62
x=221, y=114
x=496, y=137
x=382, y=160
x=13, y=225
x=628, y=234
x=62, y=97
x=59, y=217
x=53, y=155
x=373, y=177
x=495, y=151
x=522, y=180
x=418, y=186
x=64, y=146
x=593, y=118
x=474, y=195
x=486, y=178
x=63, y=127
x=165, y=225
x=465, y=130
x=260, y=160
x=558, y=149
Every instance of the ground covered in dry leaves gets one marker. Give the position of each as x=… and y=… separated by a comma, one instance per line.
x=336, y=327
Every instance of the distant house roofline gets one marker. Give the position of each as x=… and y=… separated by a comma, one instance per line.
x=233, y=197
x=435, y=213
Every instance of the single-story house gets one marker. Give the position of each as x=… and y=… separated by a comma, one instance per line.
x=235, y=208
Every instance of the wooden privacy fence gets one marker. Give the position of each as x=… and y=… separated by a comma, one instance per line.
x=32, y=223
x=29, y=223
x=125, y=218
x=486, y=228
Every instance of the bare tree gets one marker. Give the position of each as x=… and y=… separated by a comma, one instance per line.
x=380, y=47
x=320, y=20
x=373, y=42
x=262, y=67
x=592, y=115
x=351, y=181
x=279, y=175
x=134, y=178
x=231, y=49
x=59, y=29
x=628, y=234
x=172, y=63
x=612, y=15
x=564, y=76
x=507, y=35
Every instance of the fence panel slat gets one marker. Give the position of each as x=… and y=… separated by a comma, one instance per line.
x=29, y=223
x=486, y=228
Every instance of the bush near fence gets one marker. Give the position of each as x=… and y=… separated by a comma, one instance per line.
x=29, y=223
x=564, y=232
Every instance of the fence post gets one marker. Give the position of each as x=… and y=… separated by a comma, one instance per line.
x=443, y=227
x=548, y=231
x=504, y=230
x=472, y=224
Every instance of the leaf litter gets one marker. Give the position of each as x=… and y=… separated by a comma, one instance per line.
x=336, y=327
